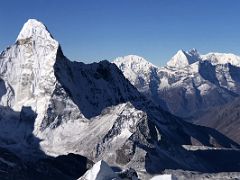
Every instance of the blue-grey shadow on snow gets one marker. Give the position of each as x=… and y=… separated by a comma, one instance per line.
x=21, y=156
x=94, y=87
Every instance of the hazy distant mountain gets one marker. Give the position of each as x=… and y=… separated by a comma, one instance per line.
x=225, y=118
x=189, y=84
x=51, y=106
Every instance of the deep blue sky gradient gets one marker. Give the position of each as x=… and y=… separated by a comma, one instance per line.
x=92, y=30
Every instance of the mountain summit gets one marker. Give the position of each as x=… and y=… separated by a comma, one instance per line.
x=34, y=29
x=27, y=67
x=182, y=59
x=137, y=69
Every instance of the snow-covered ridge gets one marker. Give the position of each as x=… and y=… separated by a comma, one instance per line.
x=179, y=61
x=135, y=62
x=136, y=69
x=189, y=77
x=222, y=58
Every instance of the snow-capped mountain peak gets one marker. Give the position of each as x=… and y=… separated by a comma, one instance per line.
x=28, y=68
x=222, y=58
x=134, y=62
x=182, y=59
x=136, y=69
x=178, y=60
x=34, y=29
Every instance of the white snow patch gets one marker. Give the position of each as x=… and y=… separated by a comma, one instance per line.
x=164, y=177
x=100, y=171
x=164, y=83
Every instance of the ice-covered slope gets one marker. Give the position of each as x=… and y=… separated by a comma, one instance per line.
x=27, y=68
x=91, y=109
x=190, y=83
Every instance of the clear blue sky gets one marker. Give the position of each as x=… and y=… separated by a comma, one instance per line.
x=92, y=30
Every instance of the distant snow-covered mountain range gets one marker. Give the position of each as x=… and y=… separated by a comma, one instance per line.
x=189, y=84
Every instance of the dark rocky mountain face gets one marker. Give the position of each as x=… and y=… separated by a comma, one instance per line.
x=65, y=167
x=51, y=107
x=225, y=118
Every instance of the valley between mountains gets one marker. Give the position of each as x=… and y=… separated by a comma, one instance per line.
x=62, y=119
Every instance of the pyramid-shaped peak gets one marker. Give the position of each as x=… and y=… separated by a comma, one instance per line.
x=179, y=60
x=182, y=58
x=33, y=29
x=34, y=23
x=181, y=52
